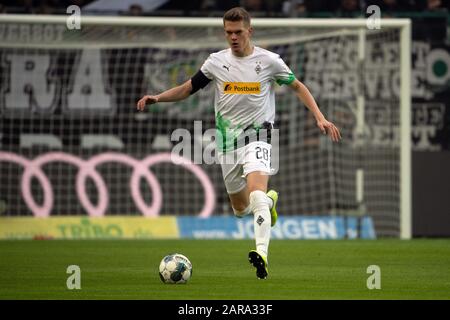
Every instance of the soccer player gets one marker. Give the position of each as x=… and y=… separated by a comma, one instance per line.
x=244, y=77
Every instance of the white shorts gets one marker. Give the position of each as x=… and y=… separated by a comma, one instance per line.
x=237, y=164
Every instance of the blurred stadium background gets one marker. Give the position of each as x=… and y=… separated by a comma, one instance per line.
x=67, y=99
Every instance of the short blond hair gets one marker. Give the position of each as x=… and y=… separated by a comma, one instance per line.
x=237, y=14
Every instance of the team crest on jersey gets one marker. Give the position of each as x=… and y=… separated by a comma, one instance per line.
x=258, y=67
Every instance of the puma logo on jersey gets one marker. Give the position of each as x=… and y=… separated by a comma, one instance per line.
x=242, y=87
x=228, y=68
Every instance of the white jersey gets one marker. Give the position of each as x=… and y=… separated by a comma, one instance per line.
x=245, y=88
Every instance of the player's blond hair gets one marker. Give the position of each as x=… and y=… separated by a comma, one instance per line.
x=237, y=14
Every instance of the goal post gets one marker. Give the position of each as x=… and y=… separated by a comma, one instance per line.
x=75, y=90
x=405, y=128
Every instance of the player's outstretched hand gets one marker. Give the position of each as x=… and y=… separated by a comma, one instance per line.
x=146, y=100
x=327, y=127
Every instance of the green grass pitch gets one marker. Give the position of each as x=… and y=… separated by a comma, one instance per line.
x=128, y=269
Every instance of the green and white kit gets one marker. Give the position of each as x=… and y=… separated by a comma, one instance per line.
x=244, y=99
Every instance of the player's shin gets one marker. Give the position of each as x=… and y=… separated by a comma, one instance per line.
x=259, y=204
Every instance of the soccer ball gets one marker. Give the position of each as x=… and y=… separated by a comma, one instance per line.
x=175, y=268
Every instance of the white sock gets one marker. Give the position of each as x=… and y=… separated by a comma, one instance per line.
x=259, y=204
x=243, y=213
x=247, y=210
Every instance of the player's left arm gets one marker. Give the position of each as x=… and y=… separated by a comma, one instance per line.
x=325, y=126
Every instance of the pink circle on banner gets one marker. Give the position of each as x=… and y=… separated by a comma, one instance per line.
x=208, y=188
x=138, y=170
x=33, y=168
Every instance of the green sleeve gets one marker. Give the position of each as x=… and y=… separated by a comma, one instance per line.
x=286, y=81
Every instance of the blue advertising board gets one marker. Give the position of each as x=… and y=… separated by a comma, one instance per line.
x=294, y=227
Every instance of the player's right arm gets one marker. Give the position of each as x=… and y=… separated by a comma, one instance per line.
x=177, y=93
x=181, y=92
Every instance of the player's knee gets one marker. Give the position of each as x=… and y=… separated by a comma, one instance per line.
x=256, y=187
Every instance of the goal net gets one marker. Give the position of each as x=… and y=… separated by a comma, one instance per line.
x=72, y=142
